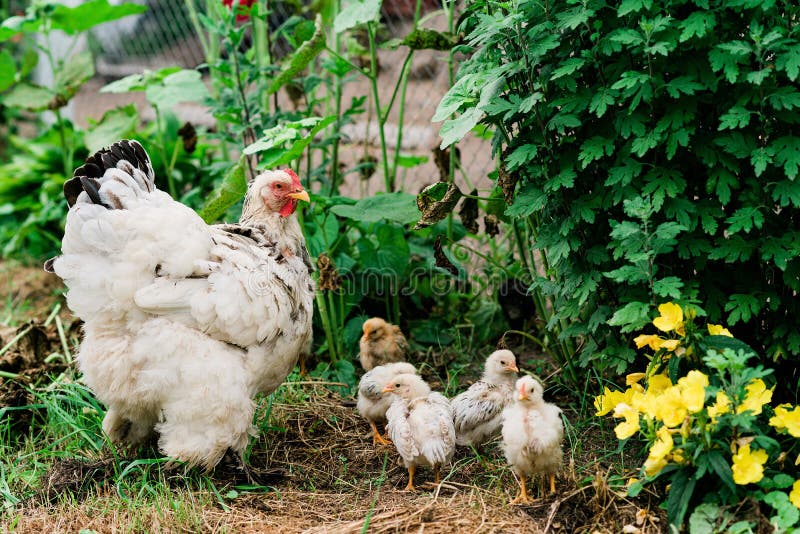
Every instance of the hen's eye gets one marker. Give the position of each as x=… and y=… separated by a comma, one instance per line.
x=278, y=186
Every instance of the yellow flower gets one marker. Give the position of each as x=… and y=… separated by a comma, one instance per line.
x=658, y=383
x=634, y=378
x=657, y=458
x=757, y=396
x=794, y=495
x=670, y=344
x=609, y=400
x=693, y=390
x=748, y=466
x=655, y=342
x=721, y=406
x=630, y=425
x=671, y=408
x=677, y=457
x=718, y=330
x=671, y=318
x=786, y=419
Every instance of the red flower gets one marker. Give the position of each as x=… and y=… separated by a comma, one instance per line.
x=245, y=3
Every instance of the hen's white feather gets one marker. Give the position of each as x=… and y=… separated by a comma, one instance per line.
x=184, y=322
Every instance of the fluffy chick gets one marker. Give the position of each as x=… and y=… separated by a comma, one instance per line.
x=478, y=410
x=420, y=425
x=532, y=434
x=372, y=401
x=381, y=343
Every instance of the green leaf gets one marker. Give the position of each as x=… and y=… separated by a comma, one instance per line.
x=285, y=142
x=88, y=14
x=300, y=59
x=521, y=156
x=529, y=200
x=182, y=86
x=787, y=193
x=680, y=493
x=736, y=117
x=641, y=145
x=698, y=24
x=568, y=67
x=787, y=153
x=15, y=25
x=390, y=258
x=633, y=316
x=356, y=12
x=26, y=96
x=745, y=219
x=742, y=307
x=595, y=148
x=75, y=71
x=116, y=124
x=600, y=102
x=454, y=130
x=409, y=161
x=8, y=70
x=760, y=158
x=633, y=6
x=425, y=39
x=789, y=61
x=721, y=468
x=784, y=98
x=398, y=207
x=230, y=191
x=721, y=60
x=686, y=85
x=668, y=287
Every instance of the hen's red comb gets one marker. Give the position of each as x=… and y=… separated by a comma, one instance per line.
x=295, y=179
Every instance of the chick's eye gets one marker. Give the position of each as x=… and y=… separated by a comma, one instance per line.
x=397, y=385
x=502, y=363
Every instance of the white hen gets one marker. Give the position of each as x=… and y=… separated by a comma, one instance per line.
x=532, y=434
x=478, y=410
x=184, y=322
x=372, y=401
x=420, y=425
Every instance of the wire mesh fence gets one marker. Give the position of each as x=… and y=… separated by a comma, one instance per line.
x=164, y=36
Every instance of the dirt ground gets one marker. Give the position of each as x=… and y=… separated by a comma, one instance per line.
x=315, y=455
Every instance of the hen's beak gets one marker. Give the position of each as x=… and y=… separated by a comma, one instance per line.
x=388, y=388
x=301, y=194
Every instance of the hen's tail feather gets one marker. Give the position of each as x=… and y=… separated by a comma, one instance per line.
x=126, y=155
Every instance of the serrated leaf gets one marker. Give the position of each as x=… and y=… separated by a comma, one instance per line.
x=683, y=84
x=568, y=67
x=742, y=307
x=789, y=61
x=595, y=148
x=721, y=60
x=669, y=286
x=454, y=130
x=632, y=316
x=356, y=12
x=520, y=156
x=561, y=121
x=736, y=117
x=787, y=193
x=745, y=219
x=529, y=200
x=759, y=159
x=784, y=98
x=633, y=6
x=600, y=103
x=641, y=145
x=698, y=24
x=426, y=39
x=787, y=153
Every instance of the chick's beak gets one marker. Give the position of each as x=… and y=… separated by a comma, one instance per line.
x=522, y=394
x=513, y=368
x=300, y=194
x=388, y=388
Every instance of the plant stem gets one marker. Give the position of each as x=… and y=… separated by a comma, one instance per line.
x=388, y=179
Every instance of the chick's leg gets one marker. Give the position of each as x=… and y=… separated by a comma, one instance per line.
x=523, y=497
x=411, y=470
x=552, y=483
x=376, y=435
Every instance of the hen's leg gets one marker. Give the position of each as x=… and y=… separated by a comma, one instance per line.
x=410, y=486
x=376, y=436
x=523, y=497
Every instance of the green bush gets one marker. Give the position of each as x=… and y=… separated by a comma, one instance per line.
x=650, y=150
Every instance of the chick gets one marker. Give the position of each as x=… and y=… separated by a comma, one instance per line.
x=372, y=401
x=381, y=343
x=532, y=434
x=478, y=410
x=420, y=425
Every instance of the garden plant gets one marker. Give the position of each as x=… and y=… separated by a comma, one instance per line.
x=634, y=241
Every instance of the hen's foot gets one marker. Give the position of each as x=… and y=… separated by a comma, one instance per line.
x=522, y=500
